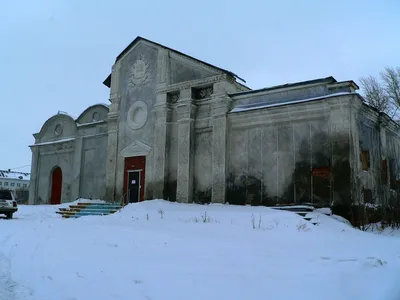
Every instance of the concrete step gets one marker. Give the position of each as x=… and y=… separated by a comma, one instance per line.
x=82, y=213
x=109, y=211
x=99, y=204
x=99, y=207
x=89, y=209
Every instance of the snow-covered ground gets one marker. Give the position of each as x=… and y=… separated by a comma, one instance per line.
x=159, y=250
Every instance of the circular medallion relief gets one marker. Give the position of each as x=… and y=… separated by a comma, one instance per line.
x=95, y=116
x=58, y=129
x=137, y=115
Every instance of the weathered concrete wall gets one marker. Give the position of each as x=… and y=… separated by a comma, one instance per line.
x=203, y=168
x=48, y=162
x=172, y=157
x=380, y=136
x=136, y=123
x=286, y=94
x=272, y=152
x=168, y=124
x=94, y=113
x=78, y=149
x=93, y=167
x=182, y=71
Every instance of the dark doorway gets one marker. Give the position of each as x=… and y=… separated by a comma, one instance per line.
x=134, y=186
x=56, y=186
x=134, y=178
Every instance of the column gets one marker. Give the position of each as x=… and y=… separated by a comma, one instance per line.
x=186, y=111
x=343, y=174
x=112, y=145
x=34, y=175
x=76, y=170
x=162, y=113
x=384, y=189
x=220, y=107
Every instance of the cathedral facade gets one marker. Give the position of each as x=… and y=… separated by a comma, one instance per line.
x=180, y=129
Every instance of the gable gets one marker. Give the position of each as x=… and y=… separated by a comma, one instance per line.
x=176, y=65
x=94, y=113
x=182, y=70
x=136, y=148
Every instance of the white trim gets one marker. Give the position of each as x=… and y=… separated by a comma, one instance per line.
x=248, y=107
x=136, y=148
x=53, y=142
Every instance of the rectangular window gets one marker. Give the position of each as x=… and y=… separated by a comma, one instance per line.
x=25, y=185
x=384, y=172
x=1, y=183
x=392, y=171
x=367, y=196
x=12, y=184
x=365, y=160
x=18, y=184
x=5, y=183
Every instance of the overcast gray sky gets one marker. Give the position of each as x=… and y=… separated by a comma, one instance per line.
x=55, y=54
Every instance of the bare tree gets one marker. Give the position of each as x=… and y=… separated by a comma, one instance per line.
x=383, y=93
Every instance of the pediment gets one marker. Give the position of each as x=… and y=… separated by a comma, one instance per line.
x=182, y=66
x=183, y=69
x=136, y=148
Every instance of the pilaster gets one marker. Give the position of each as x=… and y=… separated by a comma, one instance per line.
x=355, y=163
x=187, y=111
x=162, y=113
x=220, y=107
x=34, y=176
x=383, y=121
x=76, y=170
x=163, y=68
x=112, y=145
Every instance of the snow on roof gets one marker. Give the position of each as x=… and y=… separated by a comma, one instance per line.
x=14, y=175
x=254, y=106
x=91, y=123
x=53, y=142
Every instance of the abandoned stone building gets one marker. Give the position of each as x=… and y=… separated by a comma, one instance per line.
x=180, y=129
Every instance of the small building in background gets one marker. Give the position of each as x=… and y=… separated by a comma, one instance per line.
x=17, y=182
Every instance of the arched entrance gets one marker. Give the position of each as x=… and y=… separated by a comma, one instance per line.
x=56, y=186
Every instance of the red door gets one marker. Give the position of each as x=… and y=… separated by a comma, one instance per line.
x=134, y=173
x=56, y=186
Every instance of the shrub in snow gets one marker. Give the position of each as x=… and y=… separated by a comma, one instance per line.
x=205, y=218
x=253, y=221
x=161, y=212
x=303, y=227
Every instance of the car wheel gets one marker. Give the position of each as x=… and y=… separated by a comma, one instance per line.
x=9, y=215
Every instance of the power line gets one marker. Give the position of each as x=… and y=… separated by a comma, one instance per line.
x=20, y=167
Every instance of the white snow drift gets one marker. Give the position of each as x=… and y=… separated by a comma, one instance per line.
x=160, y=250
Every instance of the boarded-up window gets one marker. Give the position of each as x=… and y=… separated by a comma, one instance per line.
x=392, y=171
x=384, y=172
x=365, y=160
x=367, y=196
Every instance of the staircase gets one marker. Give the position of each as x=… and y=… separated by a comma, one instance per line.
x=304, y=211
x=89, y=209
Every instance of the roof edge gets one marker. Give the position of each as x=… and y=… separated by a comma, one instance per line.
x=329, y=79
x=107, y=81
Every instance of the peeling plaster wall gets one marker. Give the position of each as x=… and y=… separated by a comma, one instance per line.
x=79, y=150
x=48, y=161
x=202, y=181
x=93, y=167
x=172, y=157
x=381, y=138
x=182, y=71
x=130, y=93
x=285, y=95
x=270, y=163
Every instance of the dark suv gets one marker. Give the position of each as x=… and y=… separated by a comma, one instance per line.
x=8, y=205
